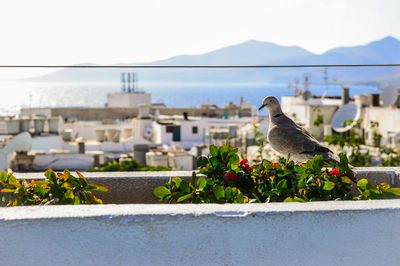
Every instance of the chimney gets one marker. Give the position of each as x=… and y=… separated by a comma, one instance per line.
x=185, y=116
x=375, y=99
x=129, y=82
x=123, y=89
x=345, y=95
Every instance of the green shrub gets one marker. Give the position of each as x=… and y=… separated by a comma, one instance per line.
x=382, y=191
x=56, y=188
x=231, y=180
x=128, y=165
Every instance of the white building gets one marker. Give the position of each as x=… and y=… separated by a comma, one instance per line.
x=305, y=112
x=127, y=99
x=188, y=133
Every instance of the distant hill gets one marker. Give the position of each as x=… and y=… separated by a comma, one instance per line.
x=386, y=50
x=248, y=53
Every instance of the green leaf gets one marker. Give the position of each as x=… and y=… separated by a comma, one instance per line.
x=223, y=150
x=363, y=184
x=51, y=175
x=161, y=192
x=234, y=166
x=282, y=185
x=214, y=162
x=328, y=185
x=346, y=180
x=3, y=176
x=234, y=159
x=219, y=191
x=185, y=186
x=7, y=190
x=213, y=150
x=202, y=161
x=239, y=198
x=201, y=183
x=228, y=193
x=69, y=194
x=343, y=159
x=295, y=199
x=77, y=201
x=177, y=181
x=318, y=163
x=97, y=187
x=395, y=191
x=193, y=179
x=385, y=185
x=185, y=197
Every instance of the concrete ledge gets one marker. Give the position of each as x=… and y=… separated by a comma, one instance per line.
x=317, y=233
x=137, y=187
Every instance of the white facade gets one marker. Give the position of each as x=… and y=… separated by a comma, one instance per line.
x=87, y=129
x=188, y=135
x=306, y=112
x=192, y=132
x=127, y=99
x=389, y=124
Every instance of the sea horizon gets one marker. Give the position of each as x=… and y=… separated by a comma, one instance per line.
x=25, y=94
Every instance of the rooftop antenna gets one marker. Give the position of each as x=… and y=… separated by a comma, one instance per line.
x=306, y=93
x=326, y=78
x=123, y=89
x=306, y=82
x=133, y=82
x=129, y=82
x=137, y=81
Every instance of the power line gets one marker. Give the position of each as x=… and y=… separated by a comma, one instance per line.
x=200, y=66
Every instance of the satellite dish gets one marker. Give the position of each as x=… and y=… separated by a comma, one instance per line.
x=348, y=111
x=21, y=142
x=389, y=95
x=396, y=140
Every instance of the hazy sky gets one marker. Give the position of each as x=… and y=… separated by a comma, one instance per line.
x=108, y=32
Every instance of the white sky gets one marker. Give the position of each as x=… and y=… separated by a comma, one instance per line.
x=118, y=31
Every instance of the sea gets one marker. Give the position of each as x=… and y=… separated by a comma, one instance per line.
x=17, y=94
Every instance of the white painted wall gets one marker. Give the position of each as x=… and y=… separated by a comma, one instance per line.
x=87, y=129
x=188, y=139
x=306, y=111
x=128, y=100
x=35, y=111
x=63, y=161
x=319, y=233
x=388, y=118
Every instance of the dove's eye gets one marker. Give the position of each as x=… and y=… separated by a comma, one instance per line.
x=270, y=101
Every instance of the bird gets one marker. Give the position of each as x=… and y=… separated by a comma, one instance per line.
x=288, y=138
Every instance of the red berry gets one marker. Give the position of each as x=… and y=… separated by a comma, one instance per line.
x=335, y=172
x=231, y=176
x=244, y=161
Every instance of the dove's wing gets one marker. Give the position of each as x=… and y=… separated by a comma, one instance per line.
x=296, y=141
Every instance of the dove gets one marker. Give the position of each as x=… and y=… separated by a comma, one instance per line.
x=286, y=137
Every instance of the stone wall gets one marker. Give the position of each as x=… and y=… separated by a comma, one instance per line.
x=137, y=187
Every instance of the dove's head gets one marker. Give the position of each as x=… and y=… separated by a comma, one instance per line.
x=271, y=103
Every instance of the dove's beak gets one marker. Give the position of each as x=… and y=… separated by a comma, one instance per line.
x=261, y=107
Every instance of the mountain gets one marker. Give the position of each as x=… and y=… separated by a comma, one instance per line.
x=248, y=53
x=386, y=50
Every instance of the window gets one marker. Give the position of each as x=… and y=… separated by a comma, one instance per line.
x=170, y=129
x=195, y=130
